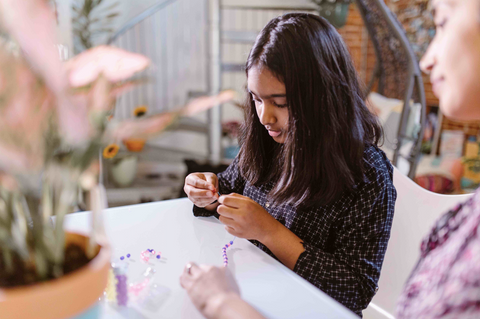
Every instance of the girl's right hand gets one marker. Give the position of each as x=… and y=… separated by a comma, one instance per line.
x=201, y=188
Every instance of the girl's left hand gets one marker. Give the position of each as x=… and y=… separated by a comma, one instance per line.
x=245, y=218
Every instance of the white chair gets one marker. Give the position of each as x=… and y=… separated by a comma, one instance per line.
x=416, y=210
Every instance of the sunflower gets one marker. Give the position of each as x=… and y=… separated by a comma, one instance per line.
x=140, y=111
x=110, y=151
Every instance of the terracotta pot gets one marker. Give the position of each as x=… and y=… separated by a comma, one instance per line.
x=134, y=144
x=74, y=295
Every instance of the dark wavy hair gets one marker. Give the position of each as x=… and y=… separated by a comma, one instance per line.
x=329, y=124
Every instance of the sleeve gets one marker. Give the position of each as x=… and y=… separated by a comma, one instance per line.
x=229, y=181
x=350, y=272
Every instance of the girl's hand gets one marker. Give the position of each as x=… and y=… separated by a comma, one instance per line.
x=201, y=188
x=245, y=218
x=208, y=286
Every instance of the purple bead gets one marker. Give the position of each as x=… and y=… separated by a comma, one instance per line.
x=122, y=258
x=231, y=243
x=158, y=256
x=128, y=255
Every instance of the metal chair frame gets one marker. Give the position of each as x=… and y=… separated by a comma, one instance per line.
x=415, y=81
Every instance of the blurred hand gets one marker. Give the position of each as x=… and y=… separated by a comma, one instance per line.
x=208, y=286
x=201, y=188
x=245, y=218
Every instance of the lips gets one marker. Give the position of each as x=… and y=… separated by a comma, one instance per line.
x=437, y=85
x=274, y=133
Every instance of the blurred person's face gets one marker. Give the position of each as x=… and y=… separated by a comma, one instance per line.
x=453, y=58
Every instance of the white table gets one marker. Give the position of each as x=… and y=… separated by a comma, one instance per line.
x=170, y=227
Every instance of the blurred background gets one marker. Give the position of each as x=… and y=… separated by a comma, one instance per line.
x=199, y=47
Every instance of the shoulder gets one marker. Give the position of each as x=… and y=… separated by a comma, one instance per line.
x=378, y=170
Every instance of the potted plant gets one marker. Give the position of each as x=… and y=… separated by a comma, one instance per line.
x=53, y=125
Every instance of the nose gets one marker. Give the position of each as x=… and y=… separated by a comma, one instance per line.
x=266, y=114
x=429, y=59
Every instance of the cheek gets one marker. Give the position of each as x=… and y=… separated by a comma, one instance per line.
x=461, y=67
x=258, y=109
x=284, y=117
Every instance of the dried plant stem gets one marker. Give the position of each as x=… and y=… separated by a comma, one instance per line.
x=7, y=259
x=66, y=198
x=98, y=205
x=47, y=202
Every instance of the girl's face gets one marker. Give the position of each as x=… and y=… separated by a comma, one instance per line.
x=453, y=58
x=270, y=99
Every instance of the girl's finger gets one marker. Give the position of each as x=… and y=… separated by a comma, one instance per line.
x=230, y=201
x=197, y=182
x=227, y=221
x=213, y=180
x=232, y=231
x=227, y=211
x=201, y=193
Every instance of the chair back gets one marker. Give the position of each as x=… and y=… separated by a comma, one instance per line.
x=398, y=75
x=416, y=211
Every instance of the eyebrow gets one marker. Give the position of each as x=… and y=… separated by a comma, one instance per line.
x=268, y=96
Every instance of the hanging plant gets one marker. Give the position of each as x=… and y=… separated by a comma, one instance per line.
x=335, y=11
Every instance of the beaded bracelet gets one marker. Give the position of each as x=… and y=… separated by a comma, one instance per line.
x=224, y=249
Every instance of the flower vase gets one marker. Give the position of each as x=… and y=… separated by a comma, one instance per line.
x=124, y=170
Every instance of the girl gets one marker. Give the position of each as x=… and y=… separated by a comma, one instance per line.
x=309, y=186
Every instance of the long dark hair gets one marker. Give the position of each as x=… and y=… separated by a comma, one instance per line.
x=329, y=124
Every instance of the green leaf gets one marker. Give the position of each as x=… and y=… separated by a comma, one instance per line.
x=41, y=264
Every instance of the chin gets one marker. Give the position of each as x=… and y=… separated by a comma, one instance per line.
x=459, y=111
x=279, y=140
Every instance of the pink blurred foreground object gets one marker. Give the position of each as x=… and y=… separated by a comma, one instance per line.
x=55, y=119
x=113, y=63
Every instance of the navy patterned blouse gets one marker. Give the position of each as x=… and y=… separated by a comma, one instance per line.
x=345, y=241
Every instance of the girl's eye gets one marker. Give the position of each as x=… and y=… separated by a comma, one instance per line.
x=280, y=105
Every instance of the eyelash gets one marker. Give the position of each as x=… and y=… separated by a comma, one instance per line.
x=441, y=24
x=277, y=105
x=280, y=105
